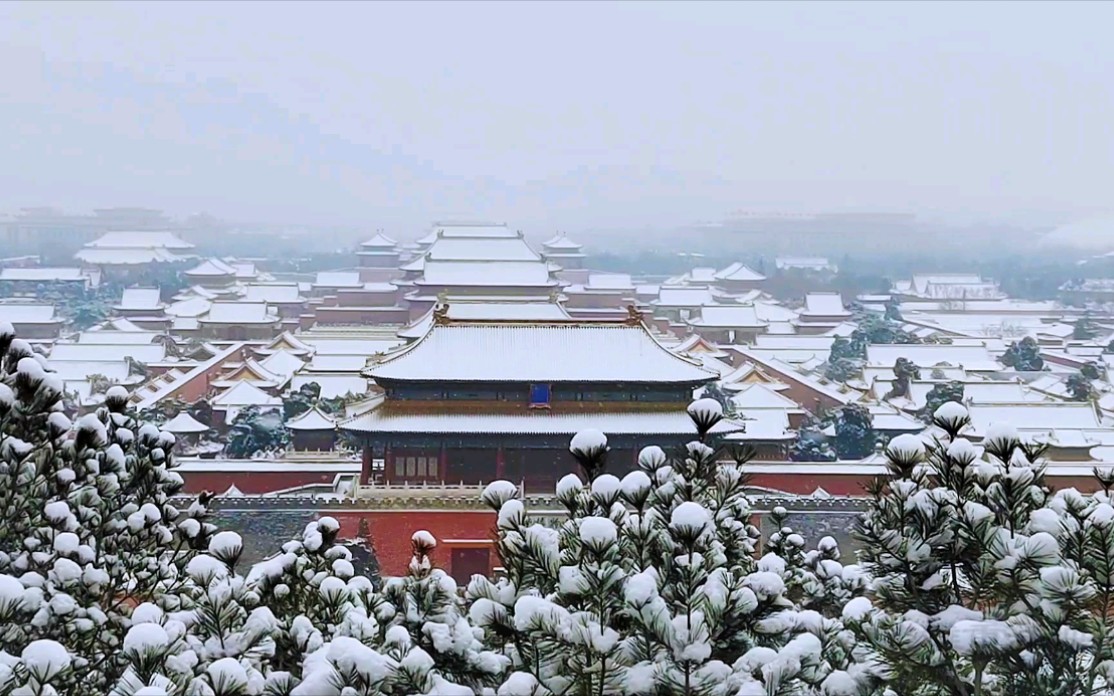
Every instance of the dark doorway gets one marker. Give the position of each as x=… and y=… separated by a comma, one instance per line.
x=465, y=563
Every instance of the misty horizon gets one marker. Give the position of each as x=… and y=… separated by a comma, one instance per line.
x=550, y=116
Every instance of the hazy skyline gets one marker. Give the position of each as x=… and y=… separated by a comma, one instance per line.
x=573, y=116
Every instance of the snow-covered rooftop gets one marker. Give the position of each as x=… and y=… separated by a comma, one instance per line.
x=825, y=304
x=184, y=423
x=561, y=243
x=245, y=394
x=739, y=272
x=238, y=313
x=282, y=363
x=477, y=230
x=567, y=352
x=682, y=296
x=337, y=363
x=499, y=249
x=380, y=241
x=117, y=337
x=803, y=262
x=490, y=311
x=27, y=313
x=1033, y=416
x=338, y=279
x=313, y=419
x=210, y=268
x=141, y=299
x=193, y=307
x=273, y=293
x=928, y=355
x=402, y=417
x=332, y=386
x=761, y=396
x=727, y=316
x=609, y=281
x=144, y=353
x=41, y=275
x=139, y=240
x=126, y=257
x=486, y=273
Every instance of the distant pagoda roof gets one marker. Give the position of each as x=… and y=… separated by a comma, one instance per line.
x=379, y=241
x=561, y=243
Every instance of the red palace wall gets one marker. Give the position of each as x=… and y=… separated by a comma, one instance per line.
x=391, y=531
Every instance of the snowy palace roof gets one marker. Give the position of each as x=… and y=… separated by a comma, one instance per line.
x=739, y=272
x=379, y=241
x=561, y=243
x=500, y=249
x=42, y=274
x=532, y=352
x=313, y=419
x=490, y=311
x=184, y=423
x=410, y=417
x=139, y=240
x=486, y=273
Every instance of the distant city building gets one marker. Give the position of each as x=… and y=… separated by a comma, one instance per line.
x=812, y=264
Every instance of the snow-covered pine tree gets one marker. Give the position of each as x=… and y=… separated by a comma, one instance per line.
x=88, y=529
x=649, y=585
x=984, y=581
x=410, y=639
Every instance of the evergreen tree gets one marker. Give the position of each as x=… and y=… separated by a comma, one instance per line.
x=1079, y=387
x=854, y=432
x=937, y=396
x=300, y=400
x=985, y=582
x=1084, y=329
x=649, y=585
x=1093, y=370
x=1024, y=356
x=88, y=527
x=255, y=430
x=811, y=444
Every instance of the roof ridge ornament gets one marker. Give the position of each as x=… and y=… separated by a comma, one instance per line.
x=441, y=315
x=634, y=317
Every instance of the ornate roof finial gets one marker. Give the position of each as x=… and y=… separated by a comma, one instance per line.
x=441, y=315
x=634, y=317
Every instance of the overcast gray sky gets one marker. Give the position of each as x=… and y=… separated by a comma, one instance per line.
x=571, y=115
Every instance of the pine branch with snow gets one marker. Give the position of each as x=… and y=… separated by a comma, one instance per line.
x=649, y=586
x=89, y=527
x=984, y=580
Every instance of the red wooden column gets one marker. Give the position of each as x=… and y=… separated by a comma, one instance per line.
x=443, y=463
x=500, y=463
x=367, y=456
x=388, y=465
